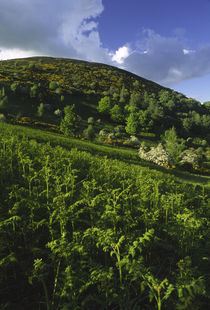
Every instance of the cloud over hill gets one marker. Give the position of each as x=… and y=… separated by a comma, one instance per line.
x=69, y=28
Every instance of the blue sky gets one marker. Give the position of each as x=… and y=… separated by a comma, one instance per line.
x=163, y=40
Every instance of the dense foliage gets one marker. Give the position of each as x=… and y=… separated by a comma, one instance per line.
x=79, y=231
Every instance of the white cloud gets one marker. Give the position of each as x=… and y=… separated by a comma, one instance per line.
x=68, y=28
x=14, y=53
x=121, y=54
x=63, y=28
x=166, y=60
x=186, y=51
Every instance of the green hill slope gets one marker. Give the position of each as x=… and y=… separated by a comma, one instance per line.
x=59, y=82
x=111, y=104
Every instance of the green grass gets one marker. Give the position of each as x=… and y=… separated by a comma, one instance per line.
x=126, y=155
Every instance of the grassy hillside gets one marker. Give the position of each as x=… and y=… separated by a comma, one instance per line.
x=84, y=226
x=85, y=223
x=111, y=105
x=60, y=82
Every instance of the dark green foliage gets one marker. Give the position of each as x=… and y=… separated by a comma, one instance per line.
x=69, y=124
x=117, y=114
x=3, y=98
x=145, y=122
x=90, y=132
x=34, y=91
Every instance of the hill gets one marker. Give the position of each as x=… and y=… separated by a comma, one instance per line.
x=59, y=82
x=86, y=220
x=111, y=105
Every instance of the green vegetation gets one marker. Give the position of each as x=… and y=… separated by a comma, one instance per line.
x=111, y=210
x=84, y=231
x=69, y=124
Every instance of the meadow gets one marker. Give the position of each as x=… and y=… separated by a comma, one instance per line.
x=87, y=226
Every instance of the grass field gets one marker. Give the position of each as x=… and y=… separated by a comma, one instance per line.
x=126, y=155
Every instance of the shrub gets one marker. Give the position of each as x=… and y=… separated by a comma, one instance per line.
x=90, y=120
x=40, y=110
x=53, y=85
x=134, y=140
x=2, y=118
x=34, y=91
x=157, y=155
x=58, y=112
x=89, y=132
x=190, y=158
x=103, y=133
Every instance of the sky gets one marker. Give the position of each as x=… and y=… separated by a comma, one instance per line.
x=165, y=41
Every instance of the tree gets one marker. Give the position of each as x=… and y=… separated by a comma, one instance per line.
x=135, y=101
x=132, y=124
x=34, y=91
x=116, y=114
x=136, y=84
x=187, y=124
x=207, y=105
x=104, y=105
x=156, y=111
x=40, y=110
x=3, y=101
x=124, y=94
x=90, y=132
x=69, y=124
x=144, y=120
x=53, y=85
x=173, y=144
x=62, y=98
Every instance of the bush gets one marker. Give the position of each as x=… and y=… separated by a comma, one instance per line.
x=89, y=132
x=40, y=110
x=90, y=120
x=58, y=112
x=103, y=133
x=53, y=85
x=134, y=141
x=157, y=155
x=190, y=158
x=2, y=118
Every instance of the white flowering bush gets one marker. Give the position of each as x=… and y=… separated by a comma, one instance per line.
x=157, y=155
x=190, y=157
